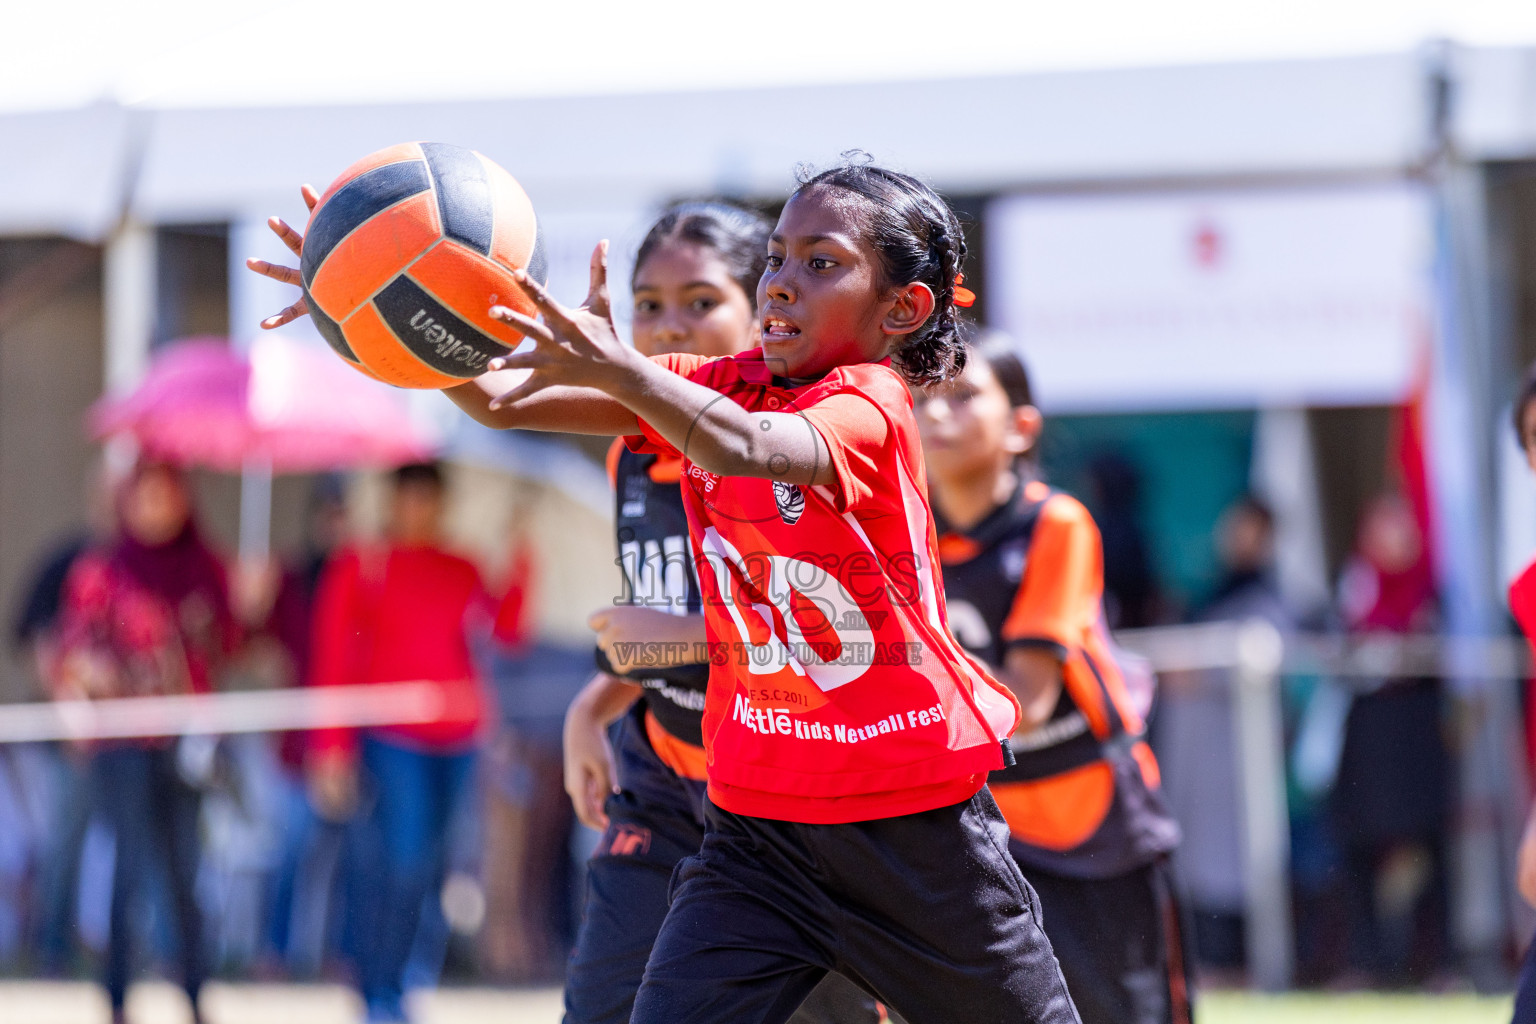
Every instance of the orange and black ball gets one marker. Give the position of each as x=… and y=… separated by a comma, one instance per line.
x=404, y=256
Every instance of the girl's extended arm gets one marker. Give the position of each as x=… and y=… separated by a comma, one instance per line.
x=580, y=348
x=574, y=410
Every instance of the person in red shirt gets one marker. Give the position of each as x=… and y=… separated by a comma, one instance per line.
x=847, y=736
x=1522, y=604
x=1024, y=580
x=401, y=611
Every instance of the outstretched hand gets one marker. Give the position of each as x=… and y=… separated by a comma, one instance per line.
x=577, y=346
x=288, y=275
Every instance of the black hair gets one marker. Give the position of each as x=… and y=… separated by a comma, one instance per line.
x=1001, y=354
x=415, y=474
x=1527, y=396
x=737, y=235
x=919, y=239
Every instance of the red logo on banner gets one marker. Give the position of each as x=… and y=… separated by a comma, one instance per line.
x=1207, y=246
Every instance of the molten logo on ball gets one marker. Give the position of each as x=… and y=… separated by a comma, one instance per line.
x=445, y=344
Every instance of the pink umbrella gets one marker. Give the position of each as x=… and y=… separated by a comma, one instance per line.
x=288, y=408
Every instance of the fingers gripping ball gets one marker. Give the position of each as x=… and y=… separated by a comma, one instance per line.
x=405, y=254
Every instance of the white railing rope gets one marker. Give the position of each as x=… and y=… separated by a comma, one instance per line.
x=223, y=713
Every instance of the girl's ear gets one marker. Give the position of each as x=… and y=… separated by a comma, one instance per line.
x=910, y=309
x=1027, y=424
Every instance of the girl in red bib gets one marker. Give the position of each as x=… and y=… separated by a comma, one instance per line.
x=641, y=782
x=847, y=735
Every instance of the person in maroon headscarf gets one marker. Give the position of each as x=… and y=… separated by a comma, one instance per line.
x=147, y=615
x=1391, y=800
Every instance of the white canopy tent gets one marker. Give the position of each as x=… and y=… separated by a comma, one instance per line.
x=1310, y=117
x=70, y=171
x=66, y=172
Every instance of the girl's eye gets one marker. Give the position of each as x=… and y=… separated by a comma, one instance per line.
x=704, y=305
x=775, y=261
x=646, y=307
x=821, y=263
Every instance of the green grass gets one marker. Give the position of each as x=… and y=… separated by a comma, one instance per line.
x=1361, y=1008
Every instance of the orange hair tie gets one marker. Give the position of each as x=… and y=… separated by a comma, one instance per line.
x=963, y=296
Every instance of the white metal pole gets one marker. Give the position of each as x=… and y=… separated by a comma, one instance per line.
x=129, y=295
x=1261, y=789
x=252, y=297
x=255, y=512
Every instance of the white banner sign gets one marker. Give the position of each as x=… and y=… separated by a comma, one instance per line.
x=1222, y=299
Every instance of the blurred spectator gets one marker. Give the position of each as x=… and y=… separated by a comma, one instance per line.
x=1196, y=744
x=530, y=872
x=53, y=774
x=303, y=900
x=247, y=818
x=1522, y=603
x=325, y=528
x=1130, y=589
x=272, y=602
x=35, y=629
x=147, y=615
x=1391, y=802
x=394, y=612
